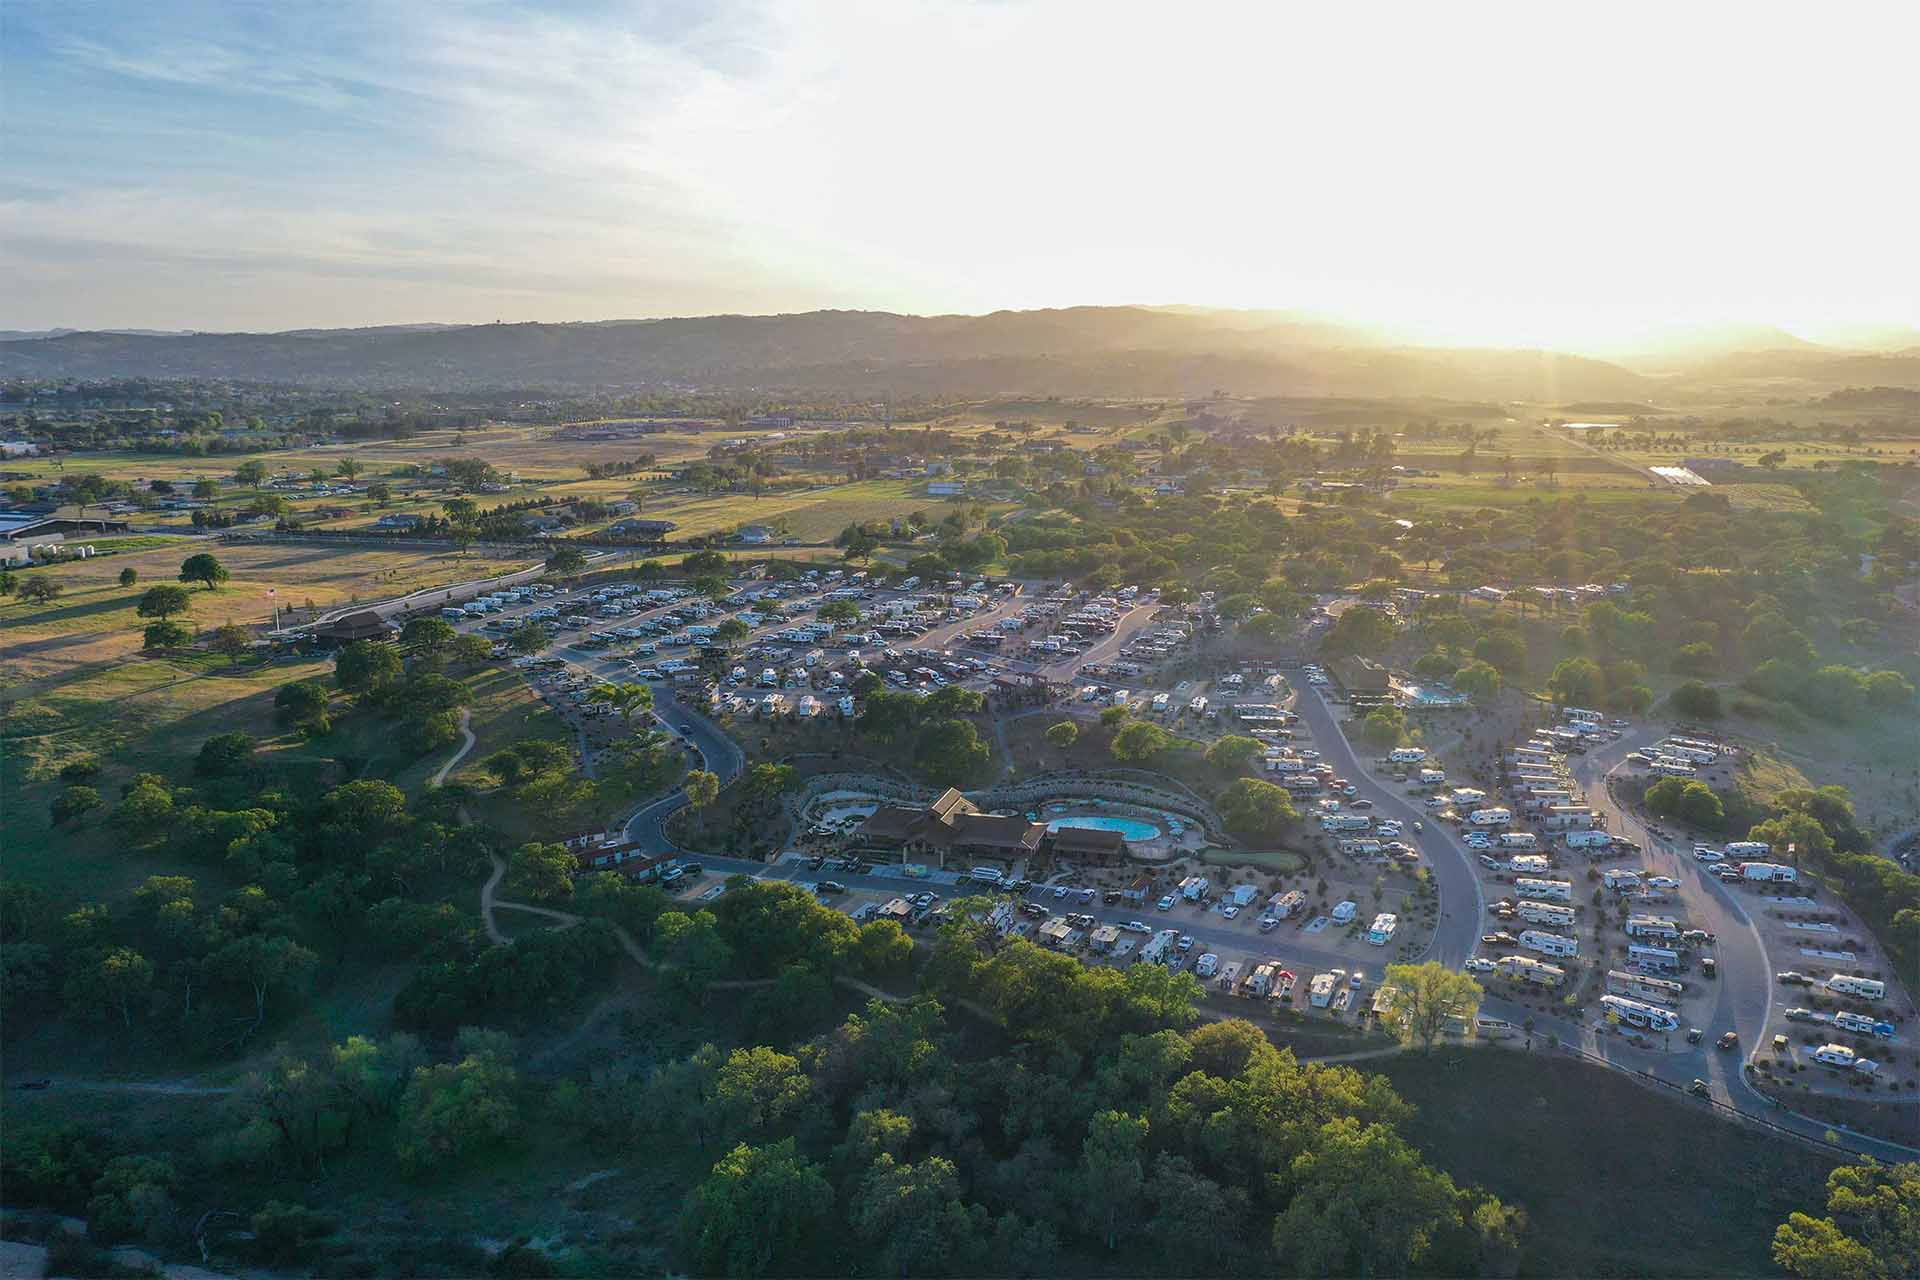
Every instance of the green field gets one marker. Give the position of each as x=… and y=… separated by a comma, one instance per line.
x=1278, y=861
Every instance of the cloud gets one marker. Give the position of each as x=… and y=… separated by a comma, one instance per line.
x=1489, y=171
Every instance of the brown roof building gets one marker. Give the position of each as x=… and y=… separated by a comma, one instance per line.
x=367, y=624
x=952, y=825
x=1087, y=845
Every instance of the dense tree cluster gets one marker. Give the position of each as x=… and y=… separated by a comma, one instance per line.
x=888, y=1147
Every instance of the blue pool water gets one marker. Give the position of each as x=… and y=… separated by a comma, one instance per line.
x=1429, y=697
x=1130, y=828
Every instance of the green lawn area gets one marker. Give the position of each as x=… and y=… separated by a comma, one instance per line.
x=1596, y=1159
x=1482, y=490
x=144, y=715
x=1278, y=861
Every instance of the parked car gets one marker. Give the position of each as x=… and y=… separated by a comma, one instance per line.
x=1695, y=1035
x=1698, y=1088
x=1729, y=1040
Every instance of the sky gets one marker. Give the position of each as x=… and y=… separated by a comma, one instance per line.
x=1537, y=174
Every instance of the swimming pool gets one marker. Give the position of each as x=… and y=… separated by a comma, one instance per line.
x=1131, y=828
x=1428, y=696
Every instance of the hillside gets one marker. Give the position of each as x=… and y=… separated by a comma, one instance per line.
x=1080, y=351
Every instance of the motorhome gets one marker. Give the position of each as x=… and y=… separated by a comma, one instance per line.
x=1529, y=864
x=1407, y=755
x=1287, y=904
x=1382, y=929
x=1652, y=927
x=1655, y=959
x=1588, y=839
x=1848, y=984
x=1738, y=850
x=1549, y=944
x=1545, y=913
x=1495, y=817
x=1519, y=840
x=1320, y=990
x=1544, y=890
x=1346, y=822
x=1569, y=817
x=1692, y=755
x=1639, y=986
x=1834, y=1055
x=1861, y=1024
x=1636, y=1013
x=1527, y=969
x=1767, y=872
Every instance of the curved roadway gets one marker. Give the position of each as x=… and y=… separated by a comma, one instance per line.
x=1745, y=988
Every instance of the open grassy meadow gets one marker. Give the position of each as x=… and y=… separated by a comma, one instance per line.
x=810, y=515
x=93, y=623
x=76, y=684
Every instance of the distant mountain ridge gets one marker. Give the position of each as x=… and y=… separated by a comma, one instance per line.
x=1074, y=351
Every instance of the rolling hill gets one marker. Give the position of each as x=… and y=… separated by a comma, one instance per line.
x=1077, y=351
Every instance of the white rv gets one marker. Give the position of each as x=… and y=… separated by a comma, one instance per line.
x=1549, y=944
x=1638, y=1014
x=1848, y=984
x=1527, y=969
x=1545, y=913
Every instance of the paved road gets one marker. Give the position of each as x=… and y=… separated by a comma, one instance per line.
x=718, y=753
x=1745, y=989
x=1462, y=904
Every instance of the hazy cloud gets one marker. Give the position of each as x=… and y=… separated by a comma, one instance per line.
x=1497, y=172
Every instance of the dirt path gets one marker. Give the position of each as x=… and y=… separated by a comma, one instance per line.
x=466, y=731
x=486, y=900
x=490, y=904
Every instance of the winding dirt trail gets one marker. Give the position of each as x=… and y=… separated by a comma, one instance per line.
x=466, y=731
